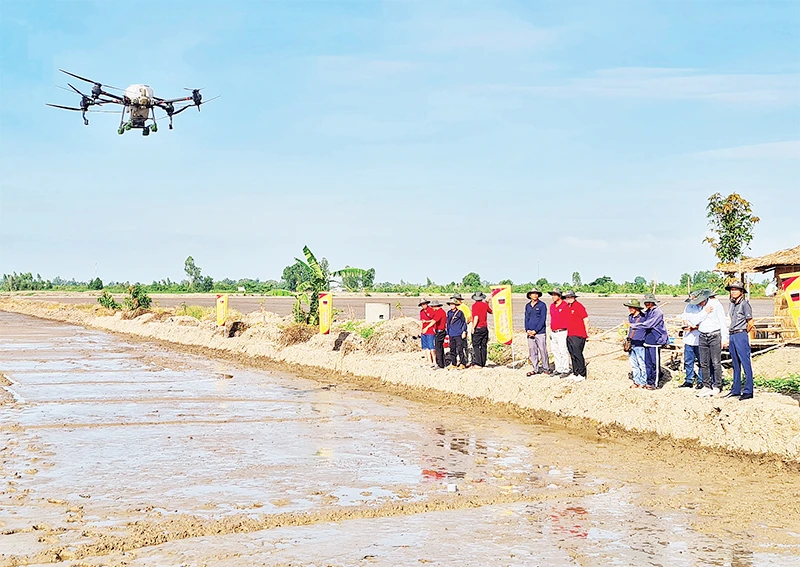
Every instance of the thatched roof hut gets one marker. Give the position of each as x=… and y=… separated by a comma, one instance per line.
x=781, y=261
x=786, y=265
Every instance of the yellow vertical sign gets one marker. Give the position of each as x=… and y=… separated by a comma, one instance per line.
x=501, y=308
x=222, y=309
x=791, y=292
x=325, y=312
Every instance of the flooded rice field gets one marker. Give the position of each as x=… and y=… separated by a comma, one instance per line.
x=126, y=453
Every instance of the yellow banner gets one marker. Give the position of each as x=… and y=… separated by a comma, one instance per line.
x=791, y=293
x=501, y=308
x=222, y=309
x=325, y=312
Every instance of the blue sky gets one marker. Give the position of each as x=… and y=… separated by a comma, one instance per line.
x=425, y=139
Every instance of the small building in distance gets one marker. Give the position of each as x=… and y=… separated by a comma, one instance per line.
x=786, y=267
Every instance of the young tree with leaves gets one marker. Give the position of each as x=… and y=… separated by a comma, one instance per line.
x=732, y=223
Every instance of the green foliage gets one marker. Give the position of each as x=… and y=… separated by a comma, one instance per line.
x=196, y=311
x=639, y=280
x=788, y=385
x=505, y=282
x=471, y=281
x=576, y=279
x=499, y=354
x=137, y=298
x=107, y=301
x=294, y=275
x=356, y=279
x=192, y=271
x=604, y=280
x=96, y=284
x=25, y=281
x=732, y=223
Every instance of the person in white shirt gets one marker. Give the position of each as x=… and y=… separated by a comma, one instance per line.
x=713, y=327
x=691, y=346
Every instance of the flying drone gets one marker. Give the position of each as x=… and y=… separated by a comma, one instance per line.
x=137, y=101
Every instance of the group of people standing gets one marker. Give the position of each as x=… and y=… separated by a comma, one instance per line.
x=706, y=331
x=569, y=330
x=442, y=329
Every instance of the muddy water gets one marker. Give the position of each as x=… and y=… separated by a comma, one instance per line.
x=113, y=453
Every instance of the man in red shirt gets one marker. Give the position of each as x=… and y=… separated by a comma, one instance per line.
x=440, y=331
x=480, y=328
x=558, y=334
x=427, y=334
x=577, y=333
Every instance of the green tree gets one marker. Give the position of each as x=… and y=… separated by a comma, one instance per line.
x=542, y=284
x=471, y=281
x=576, y=279
x=639, y=280
x=320, y=277
x=368, y=279
x=193, y=272
x=732, y=223
x=294, y=275
x=602, y=281
x=505, y=282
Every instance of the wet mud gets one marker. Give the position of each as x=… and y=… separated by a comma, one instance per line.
x=117, y=452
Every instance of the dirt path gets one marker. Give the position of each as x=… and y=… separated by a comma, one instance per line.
x=117, y=453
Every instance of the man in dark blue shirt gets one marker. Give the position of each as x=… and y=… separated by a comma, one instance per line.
x=655, y=336
x=535, y=328
x=457, y=331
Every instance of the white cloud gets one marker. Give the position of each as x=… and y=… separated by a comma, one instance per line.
x=584, y=243
x=774, y=150
x=678, y=84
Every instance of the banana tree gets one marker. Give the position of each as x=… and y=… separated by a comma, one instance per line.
x=319, y=279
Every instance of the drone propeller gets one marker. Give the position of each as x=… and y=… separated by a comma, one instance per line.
x=97, y=88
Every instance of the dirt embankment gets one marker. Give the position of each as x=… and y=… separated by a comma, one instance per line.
x=768, y=425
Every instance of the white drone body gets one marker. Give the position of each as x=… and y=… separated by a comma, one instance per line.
x=141, y=97
x=137, y=101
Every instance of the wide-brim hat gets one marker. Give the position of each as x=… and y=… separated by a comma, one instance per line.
x=651, y=298
x=635, y=304
x=478, y=296
x=531, y=292
x=557, y=291
x=452, y=303
x=735, y=285
x=424, y=301
x=702, y=296
x=692, y=295
x=569, y=293
x=435, y=303
x=457, y=296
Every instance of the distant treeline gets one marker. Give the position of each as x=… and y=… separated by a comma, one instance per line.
x=470, y=283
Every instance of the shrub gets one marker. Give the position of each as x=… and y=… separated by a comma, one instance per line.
x=788, y=385
x=499, y=354
x=107, y=301
x=297, y=333
x=196, y=311
x=137, y=298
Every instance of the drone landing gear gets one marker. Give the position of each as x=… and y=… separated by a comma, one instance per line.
x=146, y=131
x=85, y=120
x=154, y=128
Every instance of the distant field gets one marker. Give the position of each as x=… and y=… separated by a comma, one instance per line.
x=604, y=312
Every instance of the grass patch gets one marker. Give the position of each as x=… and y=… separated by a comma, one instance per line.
x=499, y=354
x=788, y=385
x=366, y=332
x=297, y=333
x=198, y=312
